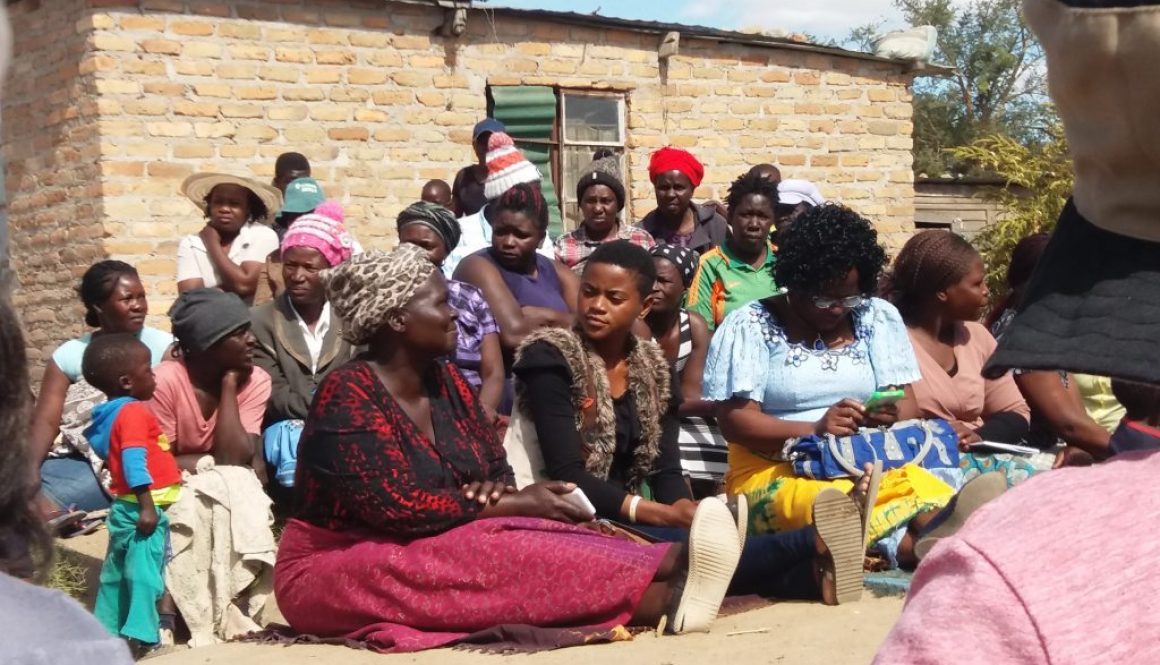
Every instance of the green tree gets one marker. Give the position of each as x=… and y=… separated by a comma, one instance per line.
x=998, y=84
x=1039, y=179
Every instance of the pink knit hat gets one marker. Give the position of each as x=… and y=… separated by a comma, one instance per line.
x=322, y=230
x=506, y=166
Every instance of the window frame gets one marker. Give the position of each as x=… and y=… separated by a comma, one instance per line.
x=567, y=195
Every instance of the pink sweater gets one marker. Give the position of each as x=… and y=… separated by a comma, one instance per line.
x=1062, y=569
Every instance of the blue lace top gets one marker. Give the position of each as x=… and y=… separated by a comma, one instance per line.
x=750, y=357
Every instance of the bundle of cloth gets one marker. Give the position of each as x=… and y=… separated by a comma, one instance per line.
x=222, y=570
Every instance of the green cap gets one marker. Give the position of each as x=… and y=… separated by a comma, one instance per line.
x=302, y=195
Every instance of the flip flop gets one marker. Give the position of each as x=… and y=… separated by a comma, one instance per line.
x=63, y=520
x=950, y=519
x=713, y=556
x=838, y=522
x=84, y=527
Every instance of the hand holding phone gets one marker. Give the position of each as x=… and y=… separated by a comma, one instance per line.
x=578, y=498
x=883, y=398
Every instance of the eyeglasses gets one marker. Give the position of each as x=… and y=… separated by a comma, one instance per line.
x=851, y=302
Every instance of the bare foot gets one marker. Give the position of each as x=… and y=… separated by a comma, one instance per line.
x=862, y=488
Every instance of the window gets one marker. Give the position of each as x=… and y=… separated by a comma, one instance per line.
x=592, y=122
x=559, y=130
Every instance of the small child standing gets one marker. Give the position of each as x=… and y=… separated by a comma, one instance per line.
x=145, y=479
x=1140, y=428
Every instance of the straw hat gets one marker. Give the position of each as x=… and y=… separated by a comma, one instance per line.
x=199, y=185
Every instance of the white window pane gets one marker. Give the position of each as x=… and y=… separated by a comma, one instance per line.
x=590, y=119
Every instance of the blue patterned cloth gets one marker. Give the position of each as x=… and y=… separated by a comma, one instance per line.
x=750, y=357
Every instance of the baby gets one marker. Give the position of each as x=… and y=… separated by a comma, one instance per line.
x=145, y=478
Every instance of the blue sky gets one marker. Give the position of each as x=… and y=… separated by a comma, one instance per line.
x=829, y=19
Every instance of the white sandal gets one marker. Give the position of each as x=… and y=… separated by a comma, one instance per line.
x=714, y=551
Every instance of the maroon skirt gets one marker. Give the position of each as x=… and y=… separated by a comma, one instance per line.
x=400, y=595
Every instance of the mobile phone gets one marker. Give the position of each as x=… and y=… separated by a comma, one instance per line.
x=882, y=398
x=578, y=498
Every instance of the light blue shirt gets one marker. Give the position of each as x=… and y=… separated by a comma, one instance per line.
x=68, y=356
x=475, y=234
x=751, y=358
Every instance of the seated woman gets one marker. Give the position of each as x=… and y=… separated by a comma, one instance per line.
x=526, y=291
x=601, y=195
x=299, y=338
x=212, y=400
x=605, y=405
x=684, y=339
x=802, y=363
x=230, y=251
x=114, y=301
x=1057, y=400
x=938, y=284
x=407, y=534
x=740, y=270
x=477, y=352
x=675, y=175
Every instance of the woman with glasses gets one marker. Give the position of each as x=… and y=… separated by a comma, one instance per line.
x=803, y=362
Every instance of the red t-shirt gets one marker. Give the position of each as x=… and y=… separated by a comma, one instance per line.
x=137, y=427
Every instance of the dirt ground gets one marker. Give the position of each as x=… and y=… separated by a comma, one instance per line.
x=790, y=633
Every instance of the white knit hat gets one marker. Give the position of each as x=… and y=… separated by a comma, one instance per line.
x=506, y=166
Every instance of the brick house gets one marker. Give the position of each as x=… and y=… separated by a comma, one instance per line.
x=111, y=103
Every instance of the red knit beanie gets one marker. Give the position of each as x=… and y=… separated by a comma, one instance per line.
x=506, y=166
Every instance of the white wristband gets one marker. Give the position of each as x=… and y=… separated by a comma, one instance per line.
x=632, y=508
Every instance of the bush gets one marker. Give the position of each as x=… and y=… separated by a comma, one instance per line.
x=1039, y=181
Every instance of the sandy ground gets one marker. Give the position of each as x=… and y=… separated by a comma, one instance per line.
x=797, y=633
x=791, y=633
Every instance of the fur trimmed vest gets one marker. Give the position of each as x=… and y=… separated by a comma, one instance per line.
x=648, y=381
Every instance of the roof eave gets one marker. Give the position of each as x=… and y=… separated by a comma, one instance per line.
x=915, y=68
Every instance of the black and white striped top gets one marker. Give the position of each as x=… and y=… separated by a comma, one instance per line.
x=704, y=455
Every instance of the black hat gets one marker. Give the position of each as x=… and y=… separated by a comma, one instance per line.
x=1093, y=305
x=603, y=171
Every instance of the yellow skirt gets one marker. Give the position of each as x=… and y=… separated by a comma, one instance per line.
x=781, y=501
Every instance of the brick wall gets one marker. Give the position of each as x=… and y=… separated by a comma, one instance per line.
x=149, y=91
x=51, y=149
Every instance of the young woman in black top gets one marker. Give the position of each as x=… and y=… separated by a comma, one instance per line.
x=604, y=406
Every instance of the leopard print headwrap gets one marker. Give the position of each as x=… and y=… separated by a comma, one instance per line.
x=368, y=286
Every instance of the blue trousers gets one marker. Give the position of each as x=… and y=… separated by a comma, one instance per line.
x=777, y=565
x=70, y=481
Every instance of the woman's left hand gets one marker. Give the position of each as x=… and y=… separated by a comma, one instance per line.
x=884, y=416
x=486, y=491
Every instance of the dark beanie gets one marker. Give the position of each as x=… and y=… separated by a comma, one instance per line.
x=603, y=171
x=203, y=317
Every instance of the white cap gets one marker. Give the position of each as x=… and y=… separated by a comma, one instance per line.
x=792, y=192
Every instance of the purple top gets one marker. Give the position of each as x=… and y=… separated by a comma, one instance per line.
x=544, y=290
x=474, y=323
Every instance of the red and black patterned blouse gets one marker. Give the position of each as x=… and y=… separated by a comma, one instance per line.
x=364, y=464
